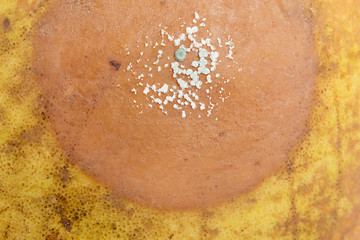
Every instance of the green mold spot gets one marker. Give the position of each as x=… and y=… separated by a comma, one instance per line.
x=180, y=54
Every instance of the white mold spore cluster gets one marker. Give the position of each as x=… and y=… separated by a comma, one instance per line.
x=193, y=86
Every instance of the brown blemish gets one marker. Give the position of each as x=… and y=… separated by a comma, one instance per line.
x=53, y=236
x=66, y=223
x=43, y=115
x=6, y=24
x=64, y=174
x=264, y=119
x=32, y=135
x=2, y=114
x=209, y=232
x=115, y=64
x=40, y=5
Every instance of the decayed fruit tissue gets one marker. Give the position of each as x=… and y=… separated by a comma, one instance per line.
x=172, y=119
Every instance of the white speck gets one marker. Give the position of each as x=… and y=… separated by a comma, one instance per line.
x=146, y=90
x=177, y=107
x=182, y=83
x=208, y=78
x=203, y=53
x=153, y=87
x=183, y=114
x=188, y=30
x=206, y=71
x=164, y=88
x=170, y=99
x=186, y=96
x=157, y=100
x=214, y=56
x=133, y=90
x=231, y=47
x=219, y=41
x=195, y=64
x=180, y=93
x=197, y=15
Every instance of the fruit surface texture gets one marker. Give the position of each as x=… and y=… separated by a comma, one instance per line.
x=315, y=194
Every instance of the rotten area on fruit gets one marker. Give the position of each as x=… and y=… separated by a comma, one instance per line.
x=177, y=135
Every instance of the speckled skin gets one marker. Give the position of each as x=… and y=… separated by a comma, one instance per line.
x=315, y=196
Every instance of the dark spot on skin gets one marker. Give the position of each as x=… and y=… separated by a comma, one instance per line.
x=210, y=233
x=162, y=3
x=66, y=223
x=64, y=174
x=257, y=163
x=2, y=114
x=43, y=115
x=113, y=226
x=115, y=64
x=38, y=7
x=186, y=159
x=171, y=236
x=52, y=236
x=289, y=166
x=6, y=23
x=221, y=134
x=208, y=214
